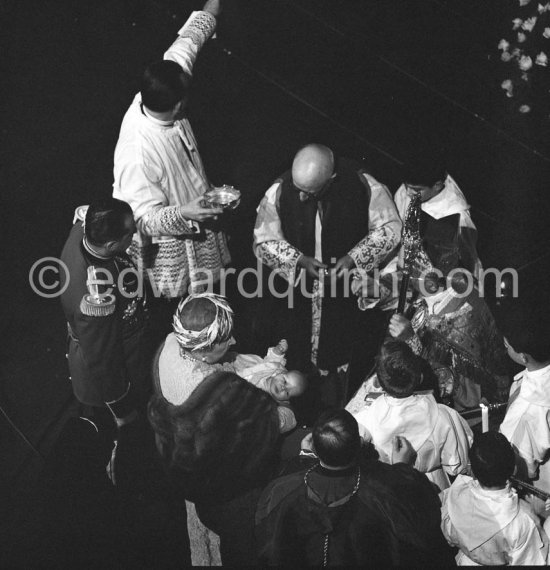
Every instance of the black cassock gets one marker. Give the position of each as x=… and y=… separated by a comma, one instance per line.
x=392, y=518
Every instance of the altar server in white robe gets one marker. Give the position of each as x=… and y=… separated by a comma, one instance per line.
x=527, y=420
x=179, y=245
x=438, y=433
x=484, y=517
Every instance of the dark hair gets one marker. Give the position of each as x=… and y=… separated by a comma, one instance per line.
x=492, y=459
x=424, y=167
x=106, y=221
x=336, y=438
x=525, y=328
x=399, y=370
x=221, y=440
x=196, y=313
x=163, y=85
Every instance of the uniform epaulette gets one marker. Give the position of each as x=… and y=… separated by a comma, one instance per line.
x=97, y=307
x=80, y=214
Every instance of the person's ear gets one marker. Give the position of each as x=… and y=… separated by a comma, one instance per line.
x=523, y=357
x=177, y=108
x=307, y=443
x=111, y=246
x=202, y=354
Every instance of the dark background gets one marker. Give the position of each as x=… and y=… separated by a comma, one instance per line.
x=371, y=78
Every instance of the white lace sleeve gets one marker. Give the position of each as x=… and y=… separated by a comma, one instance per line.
x=166, y=220
x=270, y=245
x=191, y=37
x=384, y=229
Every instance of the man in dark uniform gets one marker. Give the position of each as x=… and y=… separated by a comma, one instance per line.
x=104, y=308
x=109, y=366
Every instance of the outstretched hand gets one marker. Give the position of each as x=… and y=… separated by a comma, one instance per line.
x=402, y=451
x=196, y=210
x=282, y=347
x=214, y=7
x=343, y=265
x=311, y=265
x=400, y=328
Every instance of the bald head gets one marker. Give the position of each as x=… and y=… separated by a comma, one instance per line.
x=312, y=167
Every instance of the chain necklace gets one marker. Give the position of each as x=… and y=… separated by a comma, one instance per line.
x=355, y=489
x=186, y=356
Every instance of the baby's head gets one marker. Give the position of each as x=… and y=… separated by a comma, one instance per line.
x=287, y=384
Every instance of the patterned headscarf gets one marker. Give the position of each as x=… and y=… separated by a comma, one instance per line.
x=218, y=330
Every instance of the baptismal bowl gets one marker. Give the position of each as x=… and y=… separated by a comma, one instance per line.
x=225, y=197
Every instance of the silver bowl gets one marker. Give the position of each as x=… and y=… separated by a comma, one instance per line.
x=225, y=197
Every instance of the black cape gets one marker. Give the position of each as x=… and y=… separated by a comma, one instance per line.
x=393, y=519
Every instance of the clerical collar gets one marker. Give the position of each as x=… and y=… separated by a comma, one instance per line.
x=91, y=251
x=346, y=472
x=154, y=119
x=337, y=471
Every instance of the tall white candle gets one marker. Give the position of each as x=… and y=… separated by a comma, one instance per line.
x=484, y=418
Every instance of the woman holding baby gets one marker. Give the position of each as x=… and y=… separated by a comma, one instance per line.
x=218, y=432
